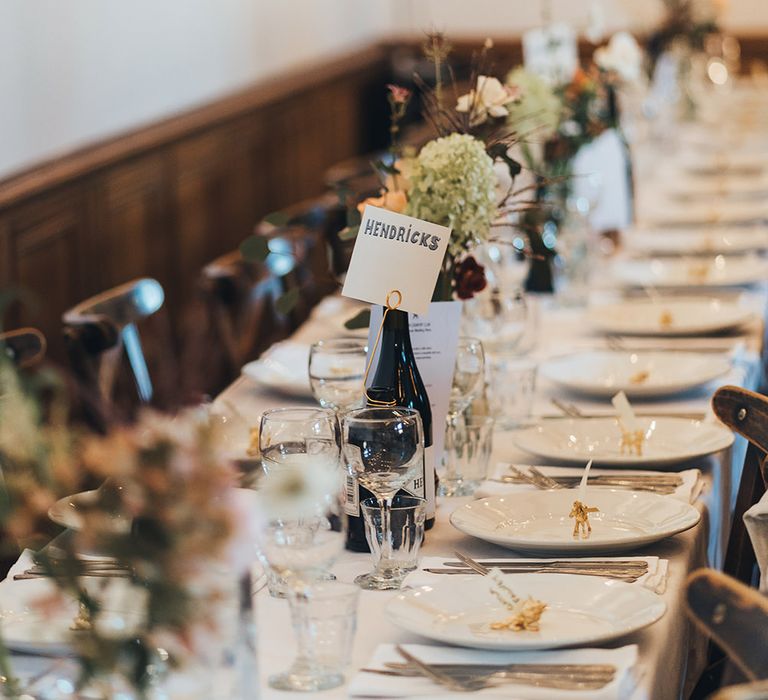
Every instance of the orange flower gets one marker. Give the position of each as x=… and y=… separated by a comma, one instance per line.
x=395, y=201
x=581, y=82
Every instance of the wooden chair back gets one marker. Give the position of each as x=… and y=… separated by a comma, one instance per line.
x=232, y=321
x=734, y=615
x=321, y=218
x=746, y=413
x=101, y=329
x=25, y=347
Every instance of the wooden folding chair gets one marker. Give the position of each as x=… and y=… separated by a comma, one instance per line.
x=231, y=322
x=101, y=329
x=735, y=616
x=746, y=413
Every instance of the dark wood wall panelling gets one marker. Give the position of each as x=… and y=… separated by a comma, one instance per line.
x=165, y=200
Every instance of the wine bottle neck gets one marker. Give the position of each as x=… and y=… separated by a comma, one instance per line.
x=396, y=329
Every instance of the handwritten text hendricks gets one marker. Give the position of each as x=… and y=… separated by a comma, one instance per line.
x=374, y=227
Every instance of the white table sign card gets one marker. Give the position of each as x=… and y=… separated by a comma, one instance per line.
x=551, y=52
x=395, y=252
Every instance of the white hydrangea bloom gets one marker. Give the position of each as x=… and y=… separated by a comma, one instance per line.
x=539, y=109
x=453, y=183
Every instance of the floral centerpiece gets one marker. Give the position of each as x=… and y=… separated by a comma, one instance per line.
x=166, y=522
x=574, y=113
x=684, y=25
x=186, y=546
x=464, y=177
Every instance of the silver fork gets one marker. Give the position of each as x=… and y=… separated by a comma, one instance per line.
x=469, y=685
x=569, y=409
x=527, y=478
x=472, y=564
x=480, y=679
x=544, y=479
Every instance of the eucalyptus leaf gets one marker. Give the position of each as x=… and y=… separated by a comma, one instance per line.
x=277, y=218
x=384, y=167
x=287, y=302
x=499, y=150
x=348, y=233
x=360, y=320
x=255, y=248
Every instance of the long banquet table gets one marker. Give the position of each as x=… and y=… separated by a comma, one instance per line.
x=671, y=654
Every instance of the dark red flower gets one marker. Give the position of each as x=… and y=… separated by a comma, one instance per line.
x=469, y=278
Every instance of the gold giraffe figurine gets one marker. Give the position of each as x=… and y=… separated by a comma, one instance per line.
x=631, y=441
x=581, y=512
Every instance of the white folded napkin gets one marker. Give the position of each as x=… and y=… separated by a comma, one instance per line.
x=756, y=521
x=655, y=580
x=381, y=686
x=687, y=492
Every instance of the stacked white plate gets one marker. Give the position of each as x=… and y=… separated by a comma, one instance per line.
x=580, y=610
x=283, y=369
x=669, y=317
x=538, y=521
x=718, y=271
x=667, y=440
x=640, y=374
x=695, y=241
x=707, y=213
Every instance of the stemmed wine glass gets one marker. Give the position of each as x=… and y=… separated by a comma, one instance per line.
x=384, y=449
x=336, y=370
x=301, y=524
x=468, y=381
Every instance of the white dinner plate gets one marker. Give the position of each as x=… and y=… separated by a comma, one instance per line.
x=67, y=511
x=707, y=214
x=668, y=440
x=723, y=164
x=539, y=522
x=581, y=610
x=638, y=374
x=283, y=368
x=669, y=317
x=718, y=271
x=695, y=241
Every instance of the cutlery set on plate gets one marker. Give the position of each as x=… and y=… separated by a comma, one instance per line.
x=660, y=482
x=629, y=570
x=473, y=677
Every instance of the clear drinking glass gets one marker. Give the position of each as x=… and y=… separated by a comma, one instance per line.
x=299, y=437
x=384, y=449
x=304, y=438
x=336, y=371
x=498, y=317
x=467, y=466
x=513, y=384
x=468, y=375
x=468, y=383
x=407, y=529
x=324, y=618
x=301, y=525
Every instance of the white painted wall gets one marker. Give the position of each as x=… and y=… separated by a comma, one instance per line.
x=496, y=17
x=75, y=71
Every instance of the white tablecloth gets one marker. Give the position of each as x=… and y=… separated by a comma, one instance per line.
x=670, y=651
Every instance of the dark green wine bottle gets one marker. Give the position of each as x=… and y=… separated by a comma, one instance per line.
x=396, y=380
